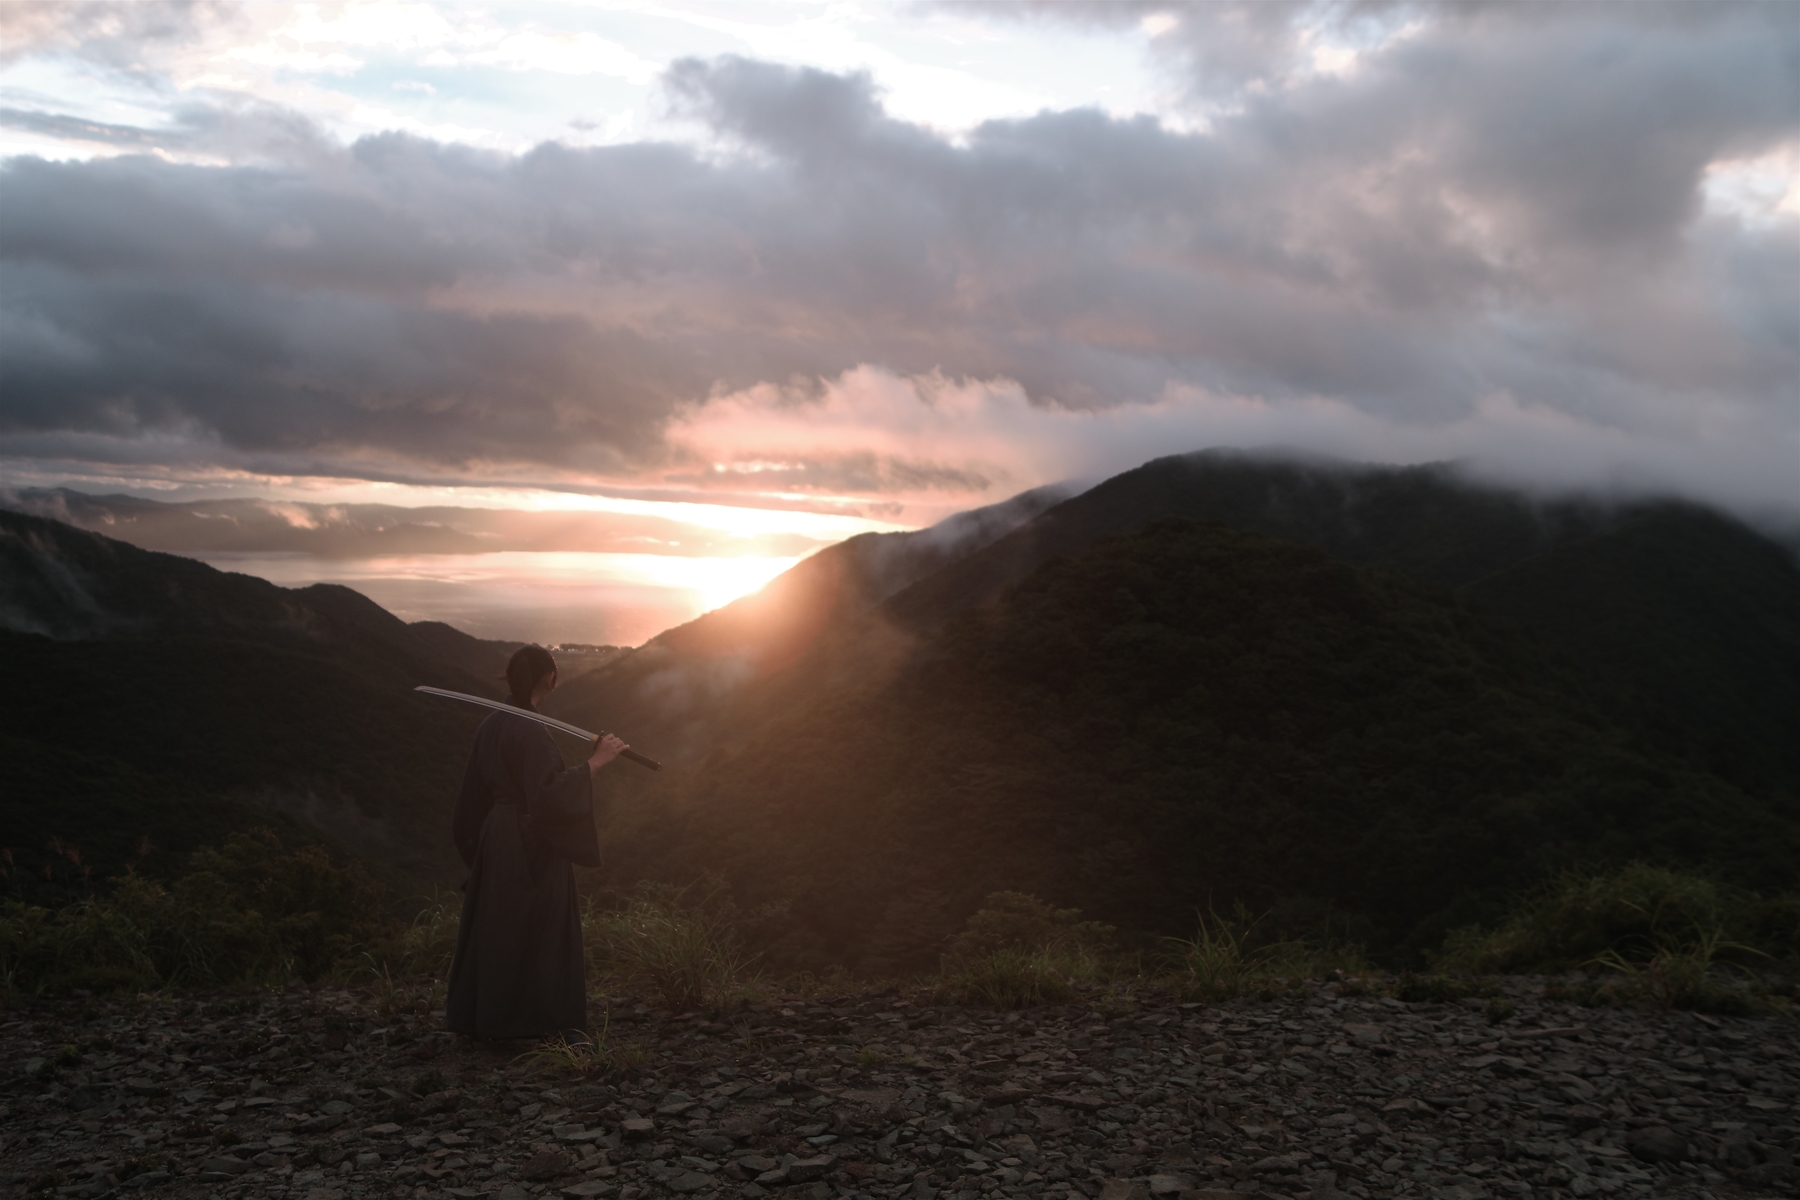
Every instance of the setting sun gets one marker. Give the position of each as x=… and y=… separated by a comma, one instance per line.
x=714, y=582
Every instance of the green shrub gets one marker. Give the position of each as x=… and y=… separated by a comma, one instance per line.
x=92, y=944
x=586, y=1056
x=1018, y=921
x=1664, y=935
x=311, y=913
x=1575, y=917
x=1225, y=959
x=680, y=941
x=245, y=912
x=1011, y=978
x=1017, y=951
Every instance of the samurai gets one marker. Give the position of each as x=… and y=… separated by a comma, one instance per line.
x=523, y=823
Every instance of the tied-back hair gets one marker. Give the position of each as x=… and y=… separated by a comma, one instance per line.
x=527, y=669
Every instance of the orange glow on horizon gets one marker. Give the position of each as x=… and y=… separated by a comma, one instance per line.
x=620, y=598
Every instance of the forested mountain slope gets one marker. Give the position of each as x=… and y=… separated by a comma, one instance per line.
x=1183, y=717
x=1689, y=608
x=1685, y=605
x=147, y=694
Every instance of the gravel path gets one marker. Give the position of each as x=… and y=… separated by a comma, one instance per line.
x=312, y=1095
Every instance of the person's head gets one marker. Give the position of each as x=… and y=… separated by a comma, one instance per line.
x=531, y=667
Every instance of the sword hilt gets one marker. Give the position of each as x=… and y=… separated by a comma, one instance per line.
x=641, y=760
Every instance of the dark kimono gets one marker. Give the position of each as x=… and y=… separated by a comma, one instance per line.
x=521, y=820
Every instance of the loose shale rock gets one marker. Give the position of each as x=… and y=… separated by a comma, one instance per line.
x=1657, y=1144
x=546, y=1165
x=880, y=1095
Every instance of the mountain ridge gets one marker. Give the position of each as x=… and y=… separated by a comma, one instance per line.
x=1427, y=522
x=222, y=697
x=851, y=704
x=1185, y=716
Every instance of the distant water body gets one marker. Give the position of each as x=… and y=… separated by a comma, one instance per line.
x=617, y=599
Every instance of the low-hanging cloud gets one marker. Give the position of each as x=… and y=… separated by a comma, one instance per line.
x=1481, y=234
x=873, y=430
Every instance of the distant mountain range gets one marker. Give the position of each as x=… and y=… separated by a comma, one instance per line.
x=151, y=695
x=1366, y=697
x=343, y=531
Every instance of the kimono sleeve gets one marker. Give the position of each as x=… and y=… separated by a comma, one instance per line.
x=562, y=803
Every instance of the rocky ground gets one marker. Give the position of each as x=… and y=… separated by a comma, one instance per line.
x=316, y=1095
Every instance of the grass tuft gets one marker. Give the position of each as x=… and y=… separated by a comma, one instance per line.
x=1225, y=959
x=1683, y=973
x=680, y=943
x=1630, y=914
x=1665, y=938
x=1012, y=978
x=586, y=1055
x=1017, y=952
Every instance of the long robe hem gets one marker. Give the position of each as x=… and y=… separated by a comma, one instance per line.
x=522, y=819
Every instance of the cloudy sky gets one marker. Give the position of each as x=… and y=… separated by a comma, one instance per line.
x=883, y=261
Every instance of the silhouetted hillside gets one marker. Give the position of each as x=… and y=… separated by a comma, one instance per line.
x=481, y=657
x=1421, y=521
x=1191, y=716
x=1697, y=612
x=1692, y=610
x=149, y=694
x=707, y=681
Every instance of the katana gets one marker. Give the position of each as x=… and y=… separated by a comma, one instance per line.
x=541, y=719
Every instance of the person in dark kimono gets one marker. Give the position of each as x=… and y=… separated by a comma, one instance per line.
x=521, y=820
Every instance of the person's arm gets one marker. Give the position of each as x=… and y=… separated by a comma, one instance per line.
x=565, y=791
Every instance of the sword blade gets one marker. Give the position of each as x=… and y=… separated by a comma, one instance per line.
x=515, y=710
x=540, y=718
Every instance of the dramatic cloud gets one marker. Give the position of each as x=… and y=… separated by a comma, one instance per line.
x=1541, y=237
x=117, y=33
x=344, y=531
